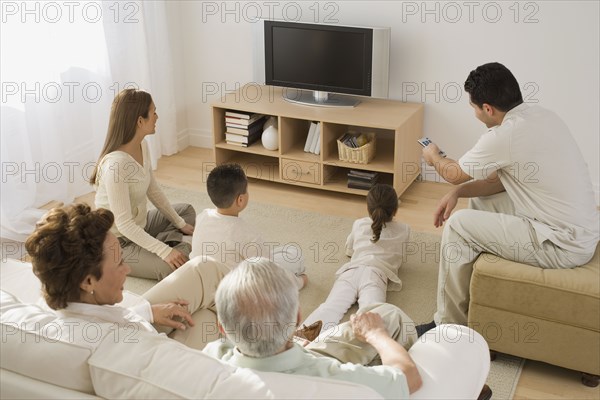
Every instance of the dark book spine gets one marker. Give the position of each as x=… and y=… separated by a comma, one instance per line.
x=247, y=131
x=353, y=185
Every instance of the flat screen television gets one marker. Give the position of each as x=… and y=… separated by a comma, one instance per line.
x=321, y=60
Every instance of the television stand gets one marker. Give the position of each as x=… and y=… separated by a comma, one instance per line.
x=319, y=98
x=396, y=126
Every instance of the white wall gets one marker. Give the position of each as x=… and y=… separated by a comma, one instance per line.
x=552, y=47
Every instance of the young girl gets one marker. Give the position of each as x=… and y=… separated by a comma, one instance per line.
x=375, y=245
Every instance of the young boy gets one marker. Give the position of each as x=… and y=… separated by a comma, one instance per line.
x=223, y=235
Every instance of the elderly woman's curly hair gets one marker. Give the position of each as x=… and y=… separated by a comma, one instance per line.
x=67, y=246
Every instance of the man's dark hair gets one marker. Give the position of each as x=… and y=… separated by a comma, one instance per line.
x=225, y=183
x=495, y=85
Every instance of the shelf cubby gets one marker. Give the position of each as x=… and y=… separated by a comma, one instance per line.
x=254, y=165
x=336, y=178
x=396, y=126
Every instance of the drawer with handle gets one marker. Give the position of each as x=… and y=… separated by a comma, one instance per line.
x=300, y=171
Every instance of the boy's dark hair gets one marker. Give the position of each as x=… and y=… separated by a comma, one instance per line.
x=495, y=85
x=225, y=183
x=382, y=203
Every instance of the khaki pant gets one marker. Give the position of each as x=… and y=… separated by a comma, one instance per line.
x=339, y=342
x=145, y=264
x=196, y=281
x=489, y=225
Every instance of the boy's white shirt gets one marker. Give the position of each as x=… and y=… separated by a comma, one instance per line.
x=227, y=239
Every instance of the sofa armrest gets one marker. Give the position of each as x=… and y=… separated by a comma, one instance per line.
x=17, y=386
x=454, y=362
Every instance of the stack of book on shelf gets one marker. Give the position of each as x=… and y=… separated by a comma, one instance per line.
x=243, y=128
x=362, y=179
x=313, y=140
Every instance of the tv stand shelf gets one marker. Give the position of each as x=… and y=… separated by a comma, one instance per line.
x=396, y=125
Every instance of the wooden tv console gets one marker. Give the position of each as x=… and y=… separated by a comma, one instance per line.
x=397, y=127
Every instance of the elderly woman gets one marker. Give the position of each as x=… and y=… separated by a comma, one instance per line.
x=80, y=264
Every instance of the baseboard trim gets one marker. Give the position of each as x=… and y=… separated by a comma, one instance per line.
x=200, y=138
x=183, y=140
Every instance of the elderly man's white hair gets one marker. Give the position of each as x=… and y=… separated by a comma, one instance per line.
x=257, y=305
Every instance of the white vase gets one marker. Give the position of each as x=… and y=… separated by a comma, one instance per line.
x=270, y=138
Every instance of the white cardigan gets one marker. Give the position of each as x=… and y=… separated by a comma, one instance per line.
x=124, y=186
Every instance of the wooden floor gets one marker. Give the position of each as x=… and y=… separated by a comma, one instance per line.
x=188, y=170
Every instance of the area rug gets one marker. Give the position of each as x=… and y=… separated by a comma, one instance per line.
x=322, y=238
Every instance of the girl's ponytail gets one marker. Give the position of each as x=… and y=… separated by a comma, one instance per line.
x=382, y=203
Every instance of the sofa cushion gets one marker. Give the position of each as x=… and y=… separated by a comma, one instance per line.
x=164, y=368
x=567, y=296
x=17, y=386
x=33, y=345
x=17, y=277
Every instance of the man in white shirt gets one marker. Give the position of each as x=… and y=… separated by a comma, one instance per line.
x=258, y=311
x=531, y=197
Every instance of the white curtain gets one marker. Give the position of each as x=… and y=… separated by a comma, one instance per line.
x=59, y=76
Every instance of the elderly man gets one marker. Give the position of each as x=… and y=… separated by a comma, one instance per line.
x=258, y=311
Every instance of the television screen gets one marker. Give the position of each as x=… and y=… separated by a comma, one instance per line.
x=319, y=57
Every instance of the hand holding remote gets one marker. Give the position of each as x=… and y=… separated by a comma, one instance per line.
x=426, y=142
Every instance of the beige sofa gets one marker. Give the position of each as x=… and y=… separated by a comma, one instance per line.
x=38, y=363
x=539, y=314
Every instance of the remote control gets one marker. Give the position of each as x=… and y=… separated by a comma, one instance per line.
x=425, y=141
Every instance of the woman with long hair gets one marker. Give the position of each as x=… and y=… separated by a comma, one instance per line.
x=152, y=241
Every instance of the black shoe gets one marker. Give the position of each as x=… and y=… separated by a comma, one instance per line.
x=421, y=329
x=486, y=393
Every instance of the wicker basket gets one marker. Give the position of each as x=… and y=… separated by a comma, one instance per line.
x=359, y=155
